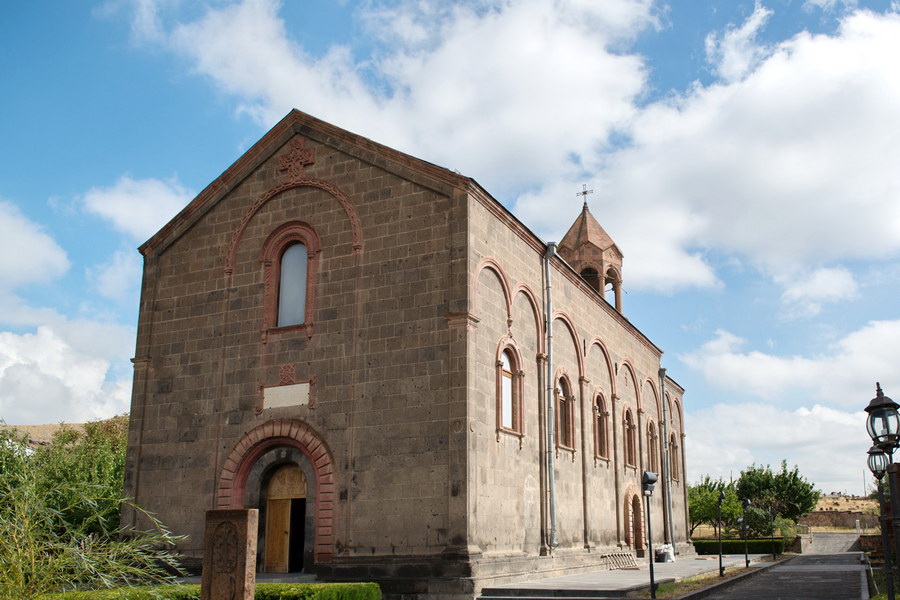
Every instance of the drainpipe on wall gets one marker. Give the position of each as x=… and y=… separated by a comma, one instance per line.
x=551, y=417
x=667, y=475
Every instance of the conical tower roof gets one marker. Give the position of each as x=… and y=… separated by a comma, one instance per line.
x=586, y=230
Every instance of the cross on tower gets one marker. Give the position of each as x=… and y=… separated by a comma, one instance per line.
x=584, y=192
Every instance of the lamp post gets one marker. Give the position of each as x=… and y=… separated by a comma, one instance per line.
x=883, y=426
x=719, y=528
x=878, y=462
x=744, y=527
x=647, y=482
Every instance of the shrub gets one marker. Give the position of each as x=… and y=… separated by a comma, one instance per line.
x=763, y=546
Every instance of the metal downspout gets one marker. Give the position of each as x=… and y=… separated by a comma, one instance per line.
x=551, y=417
x=667, y=475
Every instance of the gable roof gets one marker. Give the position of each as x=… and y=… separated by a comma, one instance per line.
x=294, y=123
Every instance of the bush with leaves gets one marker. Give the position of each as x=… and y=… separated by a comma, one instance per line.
x=60, y=533
x=703, y=504
x=781, y=494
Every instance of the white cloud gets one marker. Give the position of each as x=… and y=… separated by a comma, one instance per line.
x=828, y=5
x=804, y=294
x=787, y=161
x=119, y=278
x=138, y=207
x=44, y=374
x=735, y=53
x=27, y=253
x=501, y=91
x=838, y=376
x=793, y=165
x=725, y=439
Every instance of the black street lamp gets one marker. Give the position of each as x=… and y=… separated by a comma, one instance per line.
x=883, y=423
x=721, y=499
x=744, y=528
x=878, y=462
x=883, y=426
x=647, y=482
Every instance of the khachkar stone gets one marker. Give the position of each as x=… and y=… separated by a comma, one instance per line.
x=229, y=555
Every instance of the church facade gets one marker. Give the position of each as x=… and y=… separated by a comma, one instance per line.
x=409, y=385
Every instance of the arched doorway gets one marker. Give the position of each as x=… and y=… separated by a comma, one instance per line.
x=634, y=529
x=254, y=459
x=285, y=516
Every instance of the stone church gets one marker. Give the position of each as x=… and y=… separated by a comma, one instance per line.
x=409, y=384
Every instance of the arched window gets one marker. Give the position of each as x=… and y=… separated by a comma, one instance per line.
x=509, y=391
x=591, y=277
x=630, y=445
x=673, y=457
x=601, y=428
x=290, y=262
x=565, y=414
x=292, y=286
x=652, y=443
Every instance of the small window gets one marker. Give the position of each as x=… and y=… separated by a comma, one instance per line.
x=629, y=427
x=601, y=428
x=565, y=415
x=292, y=286
x=290, y=259
x=652, y=443
x=673, y=457
x=509, y=391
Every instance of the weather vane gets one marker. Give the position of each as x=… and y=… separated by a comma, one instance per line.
x=584, y=192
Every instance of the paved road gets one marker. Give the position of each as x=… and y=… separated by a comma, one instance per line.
x=806, y=577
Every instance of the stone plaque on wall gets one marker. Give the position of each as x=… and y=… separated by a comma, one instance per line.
x=229, y=554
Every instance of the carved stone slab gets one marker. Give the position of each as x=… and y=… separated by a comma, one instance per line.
x=229, y=555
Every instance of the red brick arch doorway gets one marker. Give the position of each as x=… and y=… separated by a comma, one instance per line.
x=259, y=454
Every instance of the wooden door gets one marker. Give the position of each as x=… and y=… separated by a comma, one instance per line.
x=278, y=534
x=286, y=485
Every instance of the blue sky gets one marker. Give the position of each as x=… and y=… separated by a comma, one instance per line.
x=742, y=154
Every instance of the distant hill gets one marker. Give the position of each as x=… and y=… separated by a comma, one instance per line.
x=42, y=435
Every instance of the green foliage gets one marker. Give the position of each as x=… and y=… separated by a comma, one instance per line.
x=703, y=504
x=760, y=546
x=264, y=591
x=60, y=532
x=785, y=494
x=95, y=457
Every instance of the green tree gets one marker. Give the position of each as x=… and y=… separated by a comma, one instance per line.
x=703, y=504
x=784, y=494
x=58, y=532
x=94, y=456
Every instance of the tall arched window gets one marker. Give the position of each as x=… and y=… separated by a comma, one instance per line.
x=629, y=433
x=292, y=286
x=509, y=391
x=290, y=262
x=601, y=428
x=652, y=444
x=673, y=457
x=565, y=414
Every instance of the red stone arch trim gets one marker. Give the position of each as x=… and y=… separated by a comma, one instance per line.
x=336, y=192
x=659, y=415
x=610, y=369
x=573, y=333
x=284, y=236
x=626, y=364
x=492, y=265
x=522, y=288
x=297, y=434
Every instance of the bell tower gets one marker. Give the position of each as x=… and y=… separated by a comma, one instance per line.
x=592, y=253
